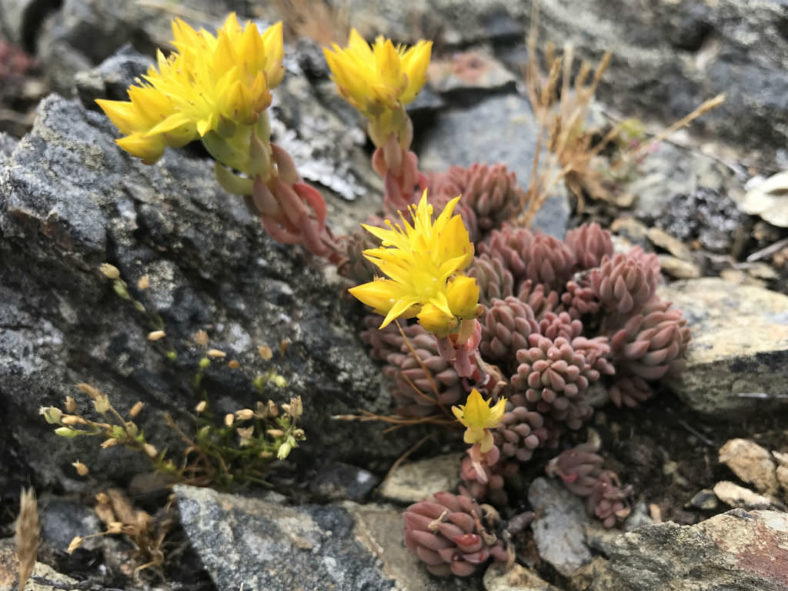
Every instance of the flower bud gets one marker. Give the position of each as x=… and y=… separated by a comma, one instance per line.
x=229, y=419
x=284, y=450
x=101, y=403
x=150, y=450
x=71, y=404
x=201, y=406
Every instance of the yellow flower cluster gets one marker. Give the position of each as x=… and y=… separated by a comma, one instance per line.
x=379, y=79
x=478, y=416
x=423, y=263
x=210, y=83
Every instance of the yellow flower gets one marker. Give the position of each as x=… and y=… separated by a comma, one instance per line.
x=479, y=417
x=422, y=262
x=210, y=83
x=381, y=77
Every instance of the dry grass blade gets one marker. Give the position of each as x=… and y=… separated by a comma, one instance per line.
x=27, y=535
x=572, y=148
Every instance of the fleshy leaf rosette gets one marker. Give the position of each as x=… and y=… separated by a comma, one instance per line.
x=580, y=469
x=625, y=282
x=494, y=279
x=535, y=256
x=506, y=326
x=447, y=533
x=520, y=433
x=651, y=345
x=490, y=191
x=589, y=244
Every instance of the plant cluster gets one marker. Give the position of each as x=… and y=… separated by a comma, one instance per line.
x=236, y=448
x=515, y=324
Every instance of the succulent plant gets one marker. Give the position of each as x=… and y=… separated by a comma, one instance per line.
x=652, y=343
x=494, y=279
x=520, y=433
x=423, y=380
x=589, y=245
x=580, y=469
x=624, y=282
x=447, y=533
x=491, y=192
x=538, y=257
x=541, y=299
x=506, y=326
x=485, y=479
x=579, y=299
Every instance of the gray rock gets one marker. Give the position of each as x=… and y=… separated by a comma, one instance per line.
x=517, y=578
x=336, y=481
x=498, y=129
x=669, y=171
x=737, y=359
x=267, y=546
x=737, y=551
x=705, y=500
x=82, y=33
x=414, y=481
x=20, y=20
x=752, y=463
x=707, y=215
x=7, y=144
x=559, y=526
x=71, y=200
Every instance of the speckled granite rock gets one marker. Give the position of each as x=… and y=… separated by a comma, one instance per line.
x=265, y=546
x=737, y=359
x=738, y=550
x=70, y=200
x=559, y=526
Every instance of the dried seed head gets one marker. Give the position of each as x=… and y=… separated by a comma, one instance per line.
x=233, y=364
x=91, y=391
x=216, y=353
x=111, y=442
x=71, y=404
x=115, y=527
x=275, y=432
x=272, y=409
x=27, y=532
x=101, y=404
x=81, y=468
x=150, y=450
x=265, y=352
x=245, y=436
x=229, y=419
x=201, y=406
x=136, y=409
x=144, y=282
x=156, y=335
x=109, y=271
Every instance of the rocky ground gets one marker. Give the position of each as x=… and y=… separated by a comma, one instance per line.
x=707, y=457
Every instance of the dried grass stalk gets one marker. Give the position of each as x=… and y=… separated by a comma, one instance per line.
x=27, y=535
